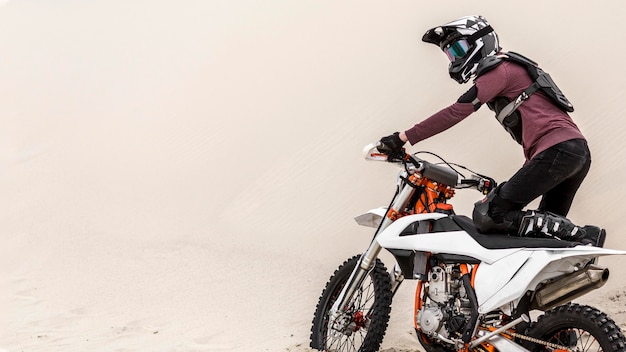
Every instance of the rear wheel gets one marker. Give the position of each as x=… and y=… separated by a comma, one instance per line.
x=363, y=321
x=579, y=328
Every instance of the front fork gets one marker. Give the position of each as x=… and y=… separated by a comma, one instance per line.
x=368, y=259
x=362, y=269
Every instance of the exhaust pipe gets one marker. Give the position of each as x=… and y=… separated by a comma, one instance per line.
x=570, y=287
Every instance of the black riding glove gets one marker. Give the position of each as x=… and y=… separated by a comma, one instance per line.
x=392, y=146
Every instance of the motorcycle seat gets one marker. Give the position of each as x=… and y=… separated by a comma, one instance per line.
x=503, y=240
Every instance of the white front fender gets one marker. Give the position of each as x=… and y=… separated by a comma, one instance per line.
x=372, y=218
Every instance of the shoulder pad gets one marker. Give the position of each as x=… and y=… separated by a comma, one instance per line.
x=519, y=58
x=488, y=63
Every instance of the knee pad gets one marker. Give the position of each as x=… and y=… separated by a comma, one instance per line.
x=481, y=216
x=483, y=222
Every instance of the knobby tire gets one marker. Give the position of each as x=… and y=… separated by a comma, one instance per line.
x=372, y=300
x=578, y=327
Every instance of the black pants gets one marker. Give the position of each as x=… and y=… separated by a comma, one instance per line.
x=554, y=174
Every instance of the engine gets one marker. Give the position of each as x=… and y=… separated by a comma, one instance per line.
x=447, y=309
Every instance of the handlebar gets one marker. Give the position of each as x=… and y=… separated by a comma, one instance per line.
x=442, y=174
x=481, y=183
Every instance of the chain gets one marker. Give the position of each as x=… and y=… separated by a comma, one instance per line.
x=480, y=349
x=538, y=341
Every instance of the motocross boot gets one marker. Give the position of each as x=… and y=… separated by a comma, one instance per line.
x=545, y=224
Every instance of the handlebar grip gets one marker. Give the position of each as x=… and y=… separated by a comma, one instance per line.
x=469, y=182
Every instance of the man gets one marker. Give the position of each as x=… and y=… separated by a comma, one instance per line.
x=534, y=111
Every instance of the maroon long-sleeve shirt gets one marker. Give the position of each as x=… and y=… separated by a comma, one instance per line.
x=543, y=123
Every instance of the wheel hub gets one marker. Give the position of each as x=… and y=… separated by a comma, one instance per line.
x=359, y=321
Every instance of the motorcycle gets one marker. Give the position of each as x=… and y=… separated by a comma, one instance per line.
x=474, y=291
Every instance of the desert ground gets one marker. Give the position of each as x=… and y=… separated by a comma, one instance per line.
x=183, y=176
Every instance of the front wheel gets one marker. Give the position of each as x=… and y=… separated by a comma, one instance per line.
x=363, y=322
x=579, y=328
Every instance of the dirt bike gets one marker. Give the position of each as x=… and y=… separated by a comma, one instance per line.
x=474, y=291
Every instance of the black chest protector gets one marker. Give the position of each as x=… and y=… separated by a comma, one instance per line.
x=505, y=109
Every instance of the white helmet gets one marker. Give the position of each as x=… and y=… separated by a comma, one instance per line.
x=465, y=41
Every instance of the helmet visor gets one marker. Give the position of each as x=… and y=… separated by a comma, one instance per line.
x=456, y=50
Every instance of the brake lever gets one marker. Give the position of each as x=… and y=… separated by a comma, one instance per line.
x=371, y=152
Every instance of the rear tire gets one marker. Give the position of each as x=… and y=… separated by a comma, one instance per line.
x=578, y=327
x=368, y=312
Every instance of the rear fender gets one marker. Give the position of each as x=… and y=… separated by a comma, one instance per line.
x=540, y=266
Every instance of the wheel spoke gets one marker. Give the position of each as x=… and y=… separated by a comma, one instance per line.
x=352, y=340
x=359, y=326
x=587, y=341
x=579, y=328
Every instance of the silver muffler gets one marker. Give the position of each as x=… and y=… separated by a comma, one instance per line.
x=570, y=287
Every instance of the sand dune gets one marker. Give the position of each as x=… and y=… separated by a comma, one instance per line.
x=182, y=176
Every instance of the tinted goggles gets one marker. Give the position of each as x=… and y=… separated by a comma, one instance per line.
x=456, y=50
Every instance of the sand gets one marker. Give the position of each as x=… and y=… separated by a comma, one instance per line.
x=182, y=176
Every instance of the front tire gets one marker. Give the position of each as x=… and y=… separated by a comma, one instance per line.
x=578, y=327
x=368, y=312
